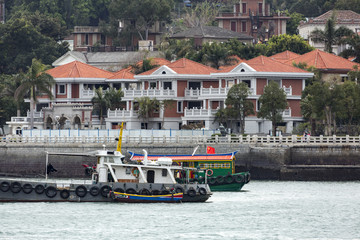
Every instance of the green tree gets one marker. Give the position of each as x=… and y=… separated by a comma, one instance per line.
x=225, y=116
x=293, y=22
x=11, y=83
x=146, y=65
x=147, y=107
x=354, y=48
x=145, y=13
x=36, y=82
x=203, y=14
x=237, y=100
x=113, y=98
x=293, y=43
x=177, y=49
x=272, y=104
x=216, y=55
x=245, y=51
x=330, y=35
x=100, y=103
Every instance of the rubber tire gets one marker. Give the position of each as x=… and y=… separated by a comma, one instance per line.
x=64, y=194
x=39, y=189
x=81, y=191
x=179, y=190
x=144, y=191
x=212, y=181
x=155, y=192
x=104, y=190
x=15, y=187
x=5, y=186
x=202, y=191
x=248, y=176
x=27, y=188
x=220, y=180
x=229, y=179
x=131, y=191
x=120, y=190
x=239, y=178
x=191, y=192
x=94, y=191
x=51, y=192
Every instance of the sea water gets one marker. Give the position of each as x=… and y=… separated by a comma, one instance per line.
x=263, y=210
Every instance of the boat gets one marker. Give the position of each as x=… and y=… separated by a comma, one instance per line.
x=136, y=198
x=114, y=179
x=218, y=169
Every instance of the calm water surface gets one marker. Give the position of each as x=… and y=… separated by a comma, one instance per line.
x=264, y=210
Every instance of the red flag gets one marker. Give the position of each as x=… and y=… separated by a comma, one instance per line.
x=210, y=150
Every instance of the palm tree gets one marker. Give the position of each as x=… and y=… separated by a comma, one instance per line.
x=354, y=50
x=35, y=81
x=113, y=98
x=216, y=55
x=330, y=36
x=100, y=103
x=147, y=106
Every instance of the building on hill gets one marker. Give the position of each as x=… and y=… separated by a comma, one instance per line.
x=254, y=18
x=345, y=18
x=195, y=92
x=210, y=34
x=333, y=68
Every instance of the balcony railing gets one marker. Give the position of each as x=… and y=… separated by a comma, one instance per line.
x=195, y=112
x=287, y=113
x=288, y=90
x=36, y=114
x=150, y=93
x=205, y=92
x=87, y=93
x=118, y=113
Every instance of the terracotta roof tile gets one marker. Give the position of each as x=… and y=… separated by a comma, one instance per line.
x=284, y=56
x=323, y=60
x=186, y=66
x=78, y=69
x=124, y=73
x=266, y=64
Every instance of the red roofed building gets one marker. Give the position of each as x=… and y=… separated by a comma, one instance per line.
x=332, y=67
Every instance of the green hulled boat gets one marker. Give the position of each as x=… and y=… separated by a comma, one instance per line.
x=218, y=170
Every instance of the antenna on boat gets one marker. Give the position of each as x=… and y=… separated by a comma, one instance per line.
x=195, y=149
x=118, y=148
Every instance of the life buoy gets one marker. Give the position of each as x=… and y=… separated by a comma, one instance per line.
x=130, y=191
x=65, y=194
x=94, y=191
x=81, y=191
x=39, y=189
x=209, y=172
x=15, y=187
x=202, y=191
x=229, y=178
x=135, y=172
x=191, y=192
x=50, y=192
x=27, y=188
x=104, y=190
x=5, y=186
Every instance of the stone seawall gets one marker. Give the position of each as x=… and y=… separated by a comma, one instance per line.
x=265, y=162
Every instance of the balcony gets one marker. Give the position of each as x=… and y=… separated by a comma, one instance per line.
x=195, y=112
x=287, y=113
x=210, y=92
x=159, y=93
x=118, y=113
x=87, y=93
x=288, y=90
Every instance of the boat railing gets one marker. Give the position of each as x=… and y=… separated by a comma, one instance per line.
x=196, y=139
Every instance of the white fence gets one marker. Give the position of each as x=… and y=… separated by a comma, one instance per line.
x=185, y=138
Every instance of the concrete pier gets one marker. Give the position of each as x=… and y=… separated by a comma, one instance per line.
x=314, y=162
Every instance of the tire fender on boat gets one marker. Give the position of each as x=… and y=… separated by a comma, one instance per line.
x=5, y=186
x=131, y=191
x=202, y=191
x=15, y=187
x=39, y=189
x=27, y=188
x=94, y=191
x=144, y=191
x=191, y=192
x=179, y=190
x=239, y=178
x=229, y=178
x=104, y=190
x=50, y=192
x=220, y=179
x=81, y=191
x=65, y=194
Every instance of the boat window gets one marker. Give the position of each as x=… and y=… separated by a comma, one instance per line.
x=128, y=171
x=164, y=172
